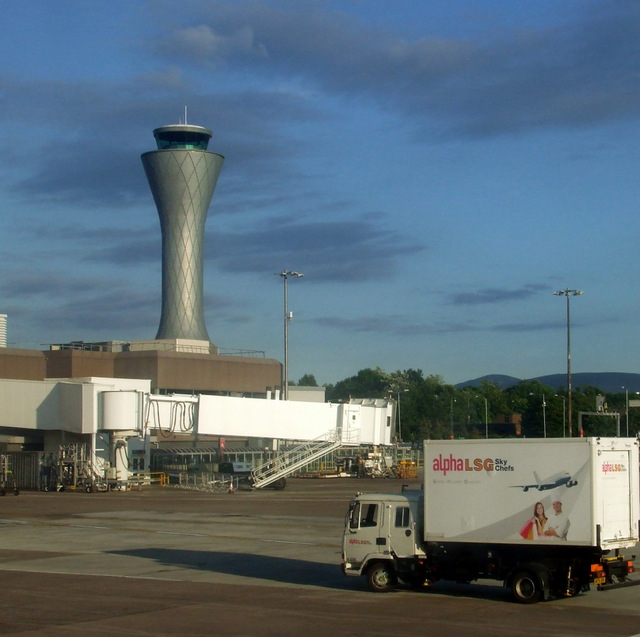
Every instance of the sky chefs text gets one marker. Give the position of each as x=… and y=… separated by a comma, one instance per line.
x=451, y=464
x=613, y=467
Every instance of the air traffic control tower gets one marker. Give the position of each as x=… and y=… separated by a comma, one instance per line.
x=182, y=175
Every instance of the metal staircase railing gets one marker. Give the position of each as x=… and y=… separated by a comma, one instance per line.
x=286, y=463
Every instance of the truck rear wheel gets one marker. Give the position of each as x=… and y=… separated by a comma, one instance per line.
x=381, y=577
x=526, y=588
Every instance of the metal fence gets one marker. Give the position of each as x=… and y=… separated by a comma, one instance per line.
x=210, y=482
x=25, y=467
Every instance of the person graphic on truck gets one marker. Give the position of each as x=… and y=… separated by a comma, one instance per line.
x=539, y=520
x=534, y=527
x=558, y=524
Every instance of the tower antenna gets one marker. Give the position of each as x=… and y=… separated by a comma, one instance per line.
x=185, y=114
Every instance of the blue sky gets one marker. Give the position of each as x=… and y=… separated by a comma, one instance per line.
x=436, y=170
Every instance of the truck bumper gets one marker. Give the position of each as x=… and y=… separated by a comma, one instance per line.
x=615, y=573
x=353, y=570
x=627, y=582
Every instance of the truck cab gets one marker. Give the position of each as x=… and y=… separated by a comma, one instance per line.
x=382, y=532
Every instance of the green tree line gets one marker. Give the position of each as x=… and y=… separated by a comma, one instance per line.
x=427, y=407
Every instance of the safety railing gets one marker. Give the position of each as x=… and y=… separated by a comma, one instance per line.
x=293, y=459
x=209, y=482
x=149, y=478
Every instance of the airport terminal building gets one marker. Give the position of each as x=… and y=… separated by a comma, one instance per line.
x=177, y=370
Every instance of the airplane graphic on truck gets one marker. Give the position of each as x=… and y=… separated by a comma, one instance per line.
x=556, y=480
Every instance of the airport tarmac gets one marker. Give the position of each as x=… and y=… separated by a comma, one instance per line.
x=164, y=561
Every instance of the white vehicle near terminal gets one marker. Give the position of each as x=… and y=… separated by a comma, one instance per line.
x=474, y=518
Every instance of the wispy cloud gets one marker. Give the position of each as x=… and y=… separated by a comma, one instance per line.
x=404, y=326
x=21, y=285
x=347, y=250
x=108, y=311
x=580, y=73
x=487, y=296
x=573, y=74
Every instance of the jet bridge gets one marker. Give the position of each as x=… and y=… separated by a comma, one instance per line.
x=115, y=418
x=317, y=428
x=260, y=418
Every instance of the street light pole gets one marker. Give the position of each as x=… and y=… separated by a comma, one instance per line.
x=453, y=400
x=569, y=293
x=564, y=416
x=285, y=274
x=544, y=413
x=626, y=402
x=397, y=416
x=486, y=417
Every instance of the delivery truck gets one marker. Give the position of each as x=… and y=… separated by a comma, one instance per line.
x=547, y=517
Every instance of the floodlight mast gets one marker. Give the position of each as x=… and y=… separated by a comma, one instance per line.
x=285, y=274
x=569, y=293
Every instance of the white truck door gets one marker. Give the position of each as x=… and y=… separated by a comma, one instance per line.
x=364, y=533
x=402, y=530
x=614, y=493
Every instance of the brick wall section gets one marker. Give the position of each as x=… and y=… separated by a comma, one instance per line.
x=167, y=370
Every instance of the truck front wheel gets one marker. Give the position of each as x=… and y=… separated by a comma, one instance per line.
x=381, y=577
x=526, y=588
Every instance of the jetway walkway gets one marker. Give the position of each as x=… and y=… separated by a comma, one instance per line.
x=291, y=460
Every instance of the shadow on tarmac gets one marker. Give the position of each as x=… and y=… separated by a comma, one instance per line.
x=275, y=569
x=293, y=571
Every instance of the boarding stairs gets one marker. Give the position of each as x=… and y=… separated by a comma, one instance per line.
x=286, y=463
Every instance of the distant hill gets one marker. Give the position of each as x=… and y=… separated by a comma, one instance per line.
x=502, y=381
x=609, y=382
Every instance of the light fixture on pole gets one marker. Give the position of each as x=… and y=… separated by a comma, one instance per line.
x=569, y=293
x=285, y=274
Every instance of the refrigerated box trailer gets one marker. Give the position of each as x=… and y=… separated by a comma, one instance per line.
x=548, y=518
